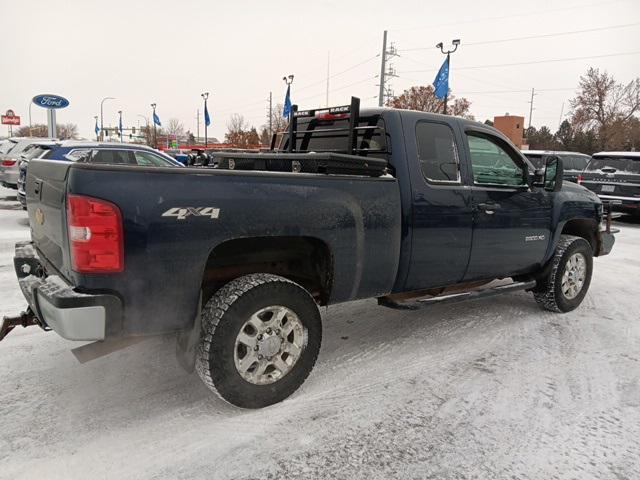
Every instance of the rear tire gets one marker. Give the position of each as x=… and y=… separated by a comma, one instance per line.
x=567, y=283
x=261, y=335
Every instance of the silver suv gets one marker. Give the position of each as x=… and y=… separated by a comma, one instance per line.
x=10, y=158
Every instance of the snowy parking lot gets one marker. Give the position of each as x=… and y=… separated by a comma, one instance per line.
x=494, y=388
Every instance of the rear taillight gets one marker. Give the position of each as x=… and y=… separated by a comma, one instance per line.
x=8, y=162
x=579, y=180
x=96, y=239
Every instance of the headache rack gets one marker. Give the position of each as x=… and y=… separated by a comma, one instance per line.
x=353, y=149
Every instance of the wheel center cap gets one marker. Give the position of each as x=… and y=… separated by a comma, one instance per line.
x=269, y=346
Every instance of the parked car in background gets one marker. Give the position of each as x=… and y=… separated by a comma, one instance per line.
x=10, y=157
x=34, y=150
x=179, y=155
x=573, y=162
x=615, y=177
x=92, y=152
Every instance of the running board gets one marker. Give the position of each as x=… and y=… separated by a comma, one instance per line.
x=457, y=297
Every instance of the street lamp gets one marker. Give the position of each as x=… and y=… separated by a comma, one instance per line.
x=120, y=124
x=448, y=53
x=146, y=120
x=155, y=131
x=205, y=95
x=30, y=103
x=102, y=116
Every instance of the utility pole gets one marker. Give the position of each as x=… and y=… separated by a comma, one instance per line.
x=383, y=69
x=328, y=65
x=270, y=114
x=531, y=107
x=561, y=113
x=386, y=70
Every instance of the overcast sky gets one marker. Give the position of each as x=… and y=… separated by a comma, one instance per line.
x=169, y=52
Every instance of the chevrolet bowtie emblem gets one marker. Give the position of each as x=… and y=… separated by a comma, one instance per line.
x=39, y=215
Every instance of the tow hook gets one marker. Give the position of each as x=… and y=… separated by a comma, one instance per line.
x=26, y=319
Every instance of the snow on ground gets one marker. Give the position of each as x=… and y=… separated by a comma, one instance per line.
x=494, y=388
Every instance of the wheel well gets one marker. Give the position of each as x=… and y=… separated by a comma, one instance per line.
x=584, y=228
x=305, y=260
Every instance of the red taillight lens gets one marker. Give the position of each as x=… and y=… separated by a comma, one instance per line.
x=8, y=163
x=579, y=180
x=95, y=235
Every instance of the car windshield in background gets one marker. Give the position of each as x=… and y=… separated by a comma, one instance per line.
x=535, y=159
x=619, y=165
x=6, y=147
x=34, y=151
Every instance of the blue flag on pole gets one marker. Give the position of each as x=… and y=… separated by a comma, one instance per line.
x=156, y=119
x=287, y=103
x=207, y=119
x=97, y=127
x=441, y=83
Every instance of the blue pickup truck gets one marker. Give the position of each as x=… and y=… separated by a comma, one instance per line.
x=408, y=207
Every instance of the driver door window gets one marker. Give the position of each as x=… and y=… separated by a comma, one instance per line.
x=492, y=164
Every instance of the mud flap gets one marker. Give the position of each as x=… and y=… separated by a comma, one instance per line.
x=187, y=342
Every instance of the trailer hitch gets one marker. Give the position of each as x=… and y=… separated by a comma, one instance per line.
x=26, y=319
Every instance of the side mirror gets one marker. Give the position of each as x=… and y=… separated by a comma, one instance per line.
x=553, y=173
x=538, y=178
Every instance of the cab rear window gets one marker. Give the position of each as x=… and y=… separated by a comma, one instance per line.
x=620, y=165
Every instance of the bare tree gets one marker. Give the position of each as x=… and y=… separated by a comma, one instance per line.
x=605, y=105
x=65, y=131
x=423, y=99
x=236, y=128
x=175, y=128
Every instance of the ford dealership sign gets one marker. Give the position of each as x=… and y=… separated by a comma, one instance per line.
x=50, y=101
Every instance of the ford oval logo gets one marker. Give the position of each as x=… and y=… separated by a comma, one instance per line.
x=50, y=101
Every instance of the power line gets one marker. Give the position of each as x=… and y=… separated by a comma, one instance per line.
x=504, y=17
x=302, y=88
x=535, y=62
x=487, y=92
x=529, y=37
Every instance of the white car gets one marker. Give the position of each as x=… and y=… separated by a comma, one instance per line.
x=10, y=158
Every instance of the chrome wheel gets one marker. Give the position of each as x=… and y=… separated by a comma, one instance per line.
x=269, y=344
x=575, y=272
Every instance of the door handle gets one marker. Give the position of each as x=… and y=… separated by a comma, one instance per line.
x=489, y=208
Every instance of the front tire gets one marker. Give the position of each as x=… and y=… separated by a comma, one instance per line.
x=261, y=336
x=568, y=280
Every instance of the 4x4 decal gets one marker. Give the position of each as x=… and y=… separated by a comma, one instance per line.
x=180, y=213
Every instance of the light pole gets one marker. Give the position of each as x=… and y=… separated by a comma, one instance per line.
x=448, y=53
x=155, y=132
x=288, y=107
x=102, y=116
x=30, y=102
x=205, y=95
x=146, y=120
x=120, y=124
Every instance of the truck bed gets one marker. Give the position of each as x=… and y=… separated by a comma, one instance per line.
x=174, y=223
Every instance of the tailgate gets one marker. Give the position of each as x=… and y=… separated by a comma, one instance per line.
x=45, y=193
